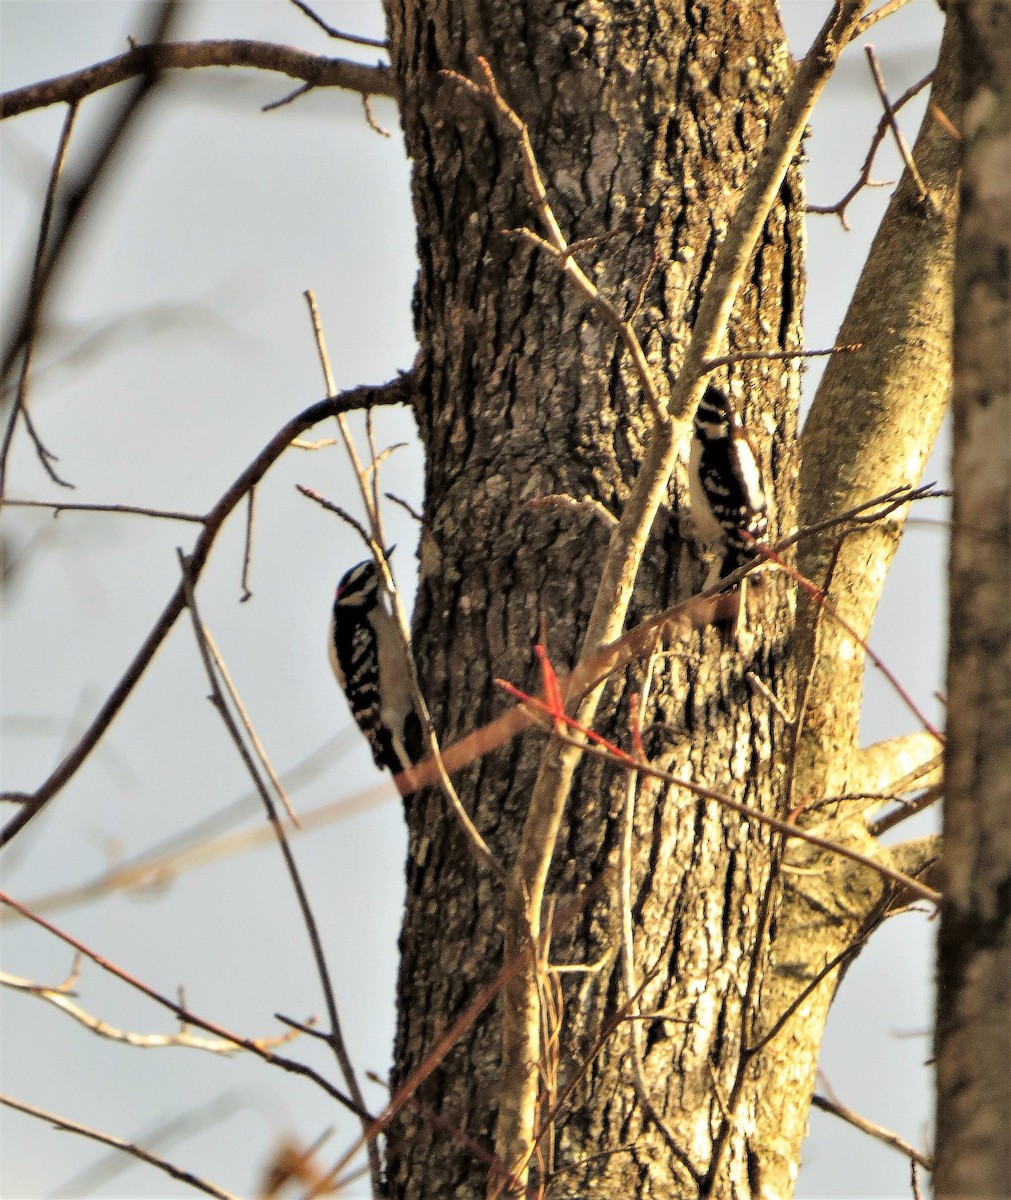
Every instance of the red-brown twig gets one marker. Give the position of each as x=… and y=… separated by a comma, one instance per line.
x=823, y=601
x=603, y=749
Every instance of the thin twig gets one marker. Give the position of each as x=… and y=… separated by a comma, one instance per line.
x=108, y=1139
x=822, y=600
x=356, y=39
x=404, y=505
x=247, y=725
x=864, y=178
x=876, y=1131
x=726, y=360
x=136, y=510
x=335, y=1037
x=247, y=549
x=900, y=141
x=58, y=997
x=370, y=116
x=34, y=310
x=761, y=686
x=345, y=516
x=303, y=89
x=879, y=14
x=909, y=809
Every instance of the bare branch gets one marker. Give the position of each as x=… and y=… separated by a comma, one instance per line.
x=313, y=69
x=356, y=39
x=879, y=14
x=864, y=178
x=59, y=998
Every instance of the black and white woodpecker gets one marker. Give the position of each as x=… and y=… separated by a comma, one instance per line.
x=367, y=657
x=725, y=485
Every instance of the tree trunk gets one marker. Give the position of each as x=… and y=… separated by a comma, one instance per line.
x=974, y=966
x=645, y=119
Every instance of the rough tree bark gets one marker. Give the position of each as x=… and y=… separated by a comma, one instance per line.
x=646, y=119
x=974, y=967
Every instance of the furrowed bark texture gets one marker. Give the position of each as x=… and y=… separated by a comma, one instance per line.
x=645, y=119
x=974, y=964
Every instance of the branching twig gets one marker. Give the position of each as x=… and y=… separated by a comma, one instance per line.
x=900, y=141
x=556, y=244
x=33, y=312
x=550, y=721
x=60, y=998
x=909, y=809
x=864, y=178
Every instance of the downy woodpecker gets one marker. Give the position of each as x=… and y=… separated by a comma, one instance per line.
x=368, y=660
x=725, y=485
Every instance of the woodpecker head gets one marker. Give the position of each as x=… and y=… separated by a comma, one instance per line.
x=361, y=586
x=715, y=415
